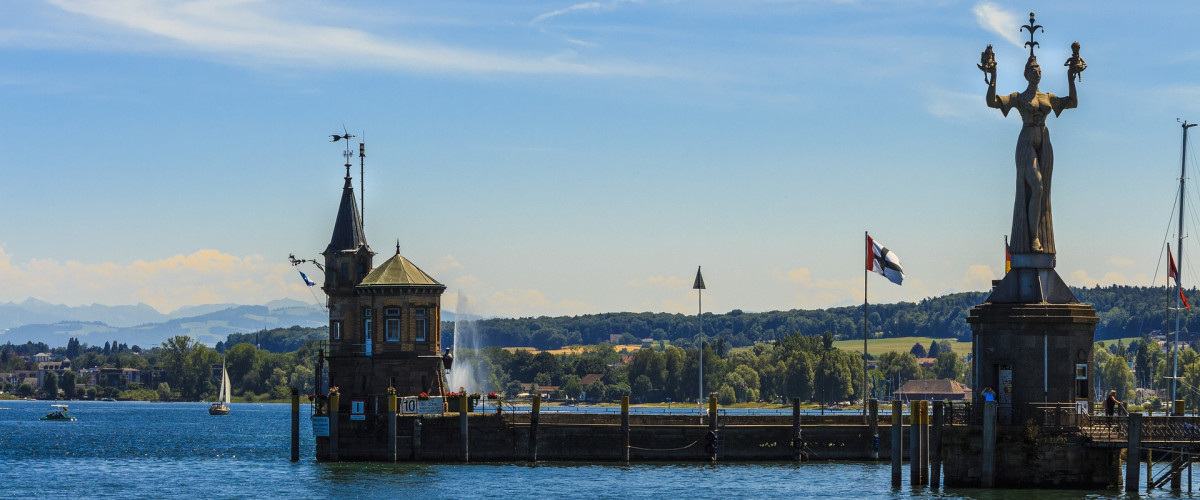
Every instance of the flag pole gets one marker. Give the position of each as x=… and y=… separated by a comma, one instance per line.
x=867, y=242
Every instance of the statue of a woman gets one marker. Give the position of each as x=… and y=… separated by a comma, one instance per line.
x=1033, y=227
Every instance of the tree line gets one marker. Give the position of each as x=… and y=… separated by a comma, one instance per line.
x=180, y=368
x=794, y=366
x=1124, y=311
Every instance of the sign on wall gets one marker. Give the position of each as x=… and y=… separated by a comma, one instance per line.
x=418, y=406
x=320, y=426
x=357, y=408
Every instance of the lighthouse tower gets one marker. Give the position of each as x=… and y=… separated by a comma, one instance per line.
x=384, y=322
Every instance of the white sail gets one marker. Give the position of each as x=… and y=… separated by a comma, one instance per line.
x=224, y=384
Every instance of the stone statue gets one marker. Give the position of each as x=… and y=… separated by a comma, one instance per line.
x=1032, y=227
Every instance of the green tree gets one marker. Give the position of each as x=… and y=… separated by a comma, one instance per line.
x=726, y=395
x=947, y=366
x=68, y=384
x=571, y=387
x=1114, y=374
x=187, y=364
x=50, y=385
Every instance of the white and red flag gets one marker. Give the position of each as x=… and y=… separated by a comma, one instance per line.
x=883, y=261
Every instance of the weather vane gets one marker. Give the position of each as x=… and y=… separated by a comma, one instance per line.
x=1032, y=28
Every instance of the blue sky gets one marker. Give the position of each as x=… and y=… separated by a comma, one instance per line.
x=556, y=157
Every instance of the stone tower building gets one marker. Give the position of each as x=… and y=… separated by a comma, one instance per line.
x=384, y=322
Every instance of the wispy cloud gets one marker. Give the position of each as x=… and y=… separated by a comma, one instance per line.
x=249, y=30
x=582, y=7
x=514, y=302
x=993, y=18
x=204, y=277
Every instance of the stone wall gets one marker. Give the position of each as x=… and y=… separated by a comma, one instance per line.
x=1028, y=457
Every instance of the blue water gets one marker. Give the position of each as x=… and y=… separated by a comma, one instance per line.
x=156, y=450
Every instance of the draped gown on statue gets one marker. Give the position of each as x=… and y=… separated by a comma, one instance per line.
x=1033, y=225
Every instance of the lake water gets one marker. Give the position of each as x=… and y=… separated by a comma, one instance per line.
x=156, y=450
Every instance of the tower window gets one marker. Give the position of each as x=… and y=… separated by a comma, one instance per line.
x=335, y=330
x=366, y=324
x=392, y=324
x=422, y=323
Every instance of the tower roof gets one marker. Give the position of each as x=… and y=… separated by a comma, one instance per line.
x=398, y=271
x=348, y=232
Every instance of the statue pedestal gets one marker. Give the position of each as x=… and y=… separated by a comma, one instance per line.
x=1032, y=354
x=1032, y=280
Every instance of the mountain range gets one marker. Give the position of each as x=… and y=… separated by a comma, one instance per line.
x=37, y=321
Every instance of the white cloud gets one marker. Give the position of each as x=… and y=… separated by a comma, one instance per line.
x=204, y=277
x=582, y=7
x=999, y=21
x=515, y=302
x=979, y=277
x=251, y=30
x=447, y=263
x=943, y=103
x=1118, y=261
x=671, y=282
x=800, y=275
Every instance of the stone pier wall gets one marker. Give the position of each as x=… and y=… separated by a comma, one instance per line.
x=599, y=438
x=1027, y=458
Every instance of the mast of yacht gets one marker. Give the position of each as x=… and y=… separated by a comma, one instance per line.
x=1178, y=281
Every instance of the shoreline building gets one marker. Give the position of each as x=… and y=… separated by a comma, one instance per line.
x=384, y=329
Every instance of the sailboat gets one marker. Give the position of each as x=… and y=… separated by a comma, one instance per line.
x=221, y=407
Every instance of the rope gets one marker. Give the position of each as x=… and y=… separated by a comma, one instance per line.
x=665, y=449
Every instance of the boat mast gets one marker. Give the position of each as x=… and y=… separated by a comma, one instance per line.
x=1178, y=281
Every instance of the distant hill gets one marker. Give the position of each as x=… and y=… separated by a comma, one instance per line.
x=1124, y=312
x=38, y=321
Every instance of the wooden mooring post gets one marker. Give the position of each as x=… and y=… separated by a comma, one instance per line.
x=897, y=442
x=914, y=443
x=1132, y=453
x=391, y=416
x=334, y=400
x=464, y=451
x=924, y=443
x=416, y=440
x=873, y=446
x=712, y=437
x=534, y=411
x=797, y=438
x=1177, y=456
x=935, y=444
x=625, y=427
x=295, y=424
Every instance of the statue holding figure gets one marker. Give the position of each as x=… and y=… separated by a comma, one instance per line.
x=1033, y=226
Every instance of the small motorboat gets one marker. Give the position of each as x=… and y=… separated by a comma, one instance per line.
x=59, y=413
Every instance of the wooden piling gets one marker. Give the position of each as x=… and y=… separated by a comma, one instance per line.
x=987, y=474
x=935, y=444
x=463, y=450
x=534, y=411
x=712, y=428
x=924, y=443
x=391, y=416
x=797, y=439
x=914, y=443
x=625, y=427
x=334, y=401
x=1177, y=456
x=897, y=442
x=1133, y=452
x=295, y=425
x=416, y=440
x=873, y=446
